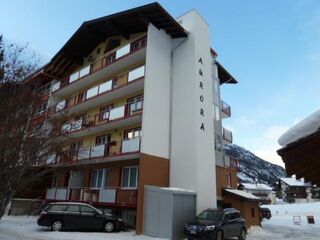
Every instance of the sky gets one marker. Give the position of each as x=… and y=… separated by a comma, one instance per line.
x=271, y=47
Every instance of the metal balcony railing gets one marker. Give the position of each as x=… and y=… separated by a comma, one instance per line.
x=98, y=90
x=94, y=195
x=126, y=146
x=103, y=62
x=125, y=111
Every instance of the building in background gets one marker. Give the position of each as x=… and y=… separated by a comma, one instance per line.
x=140, y=95
x=295, y=191
x=263, y=191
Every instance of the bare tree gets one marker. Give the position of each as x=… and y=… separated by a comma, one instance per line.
x=23, y=150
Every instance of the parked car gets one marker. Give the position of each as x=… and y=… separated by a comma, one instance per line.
x=264, y=213
x=217, y=224
x=68, y=215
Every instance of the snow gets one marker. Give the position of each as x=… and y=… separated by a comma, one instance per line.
x=177, y=189
x=302, y=129
x=279, y=227
x=257, y=186
x=294, y=182
x=242, y=194
x=26, y=228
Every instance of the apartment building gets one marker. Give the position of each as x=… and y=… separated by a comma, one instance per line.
x=139, y=92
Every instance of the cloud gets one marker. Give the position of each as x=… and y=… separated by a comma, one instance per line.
x=244, y=122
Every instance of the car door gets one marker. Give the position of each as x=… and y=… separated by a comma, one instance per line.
x=90, y=218
x=72, y=217
x=228, y=225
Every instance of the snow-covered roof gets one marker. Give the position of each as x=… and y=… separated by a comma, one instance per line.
x=257, y=186
x=242, y=194
x=302, y=129
x=294, y=182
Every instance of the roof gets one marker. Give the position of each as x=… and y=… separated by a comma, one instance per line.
x=302, y=129
x=93, y=32
x=242, y=194
x=294, y=182
x=257, y=186
x=224, y=75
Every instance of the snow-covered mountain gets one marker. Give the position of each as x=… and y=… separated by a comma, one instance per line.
x=253, y=169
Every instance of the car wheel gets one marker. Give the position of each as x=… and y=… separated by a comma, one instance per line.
x=219, y=235
x=56, y=226
x=243, y=234
x=109, y=226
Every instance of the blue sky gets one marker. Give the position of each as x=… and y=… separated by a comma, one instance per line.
x=271, y=47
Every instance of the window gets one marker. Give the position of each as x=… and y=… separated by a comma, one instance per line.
x=132, y=133
x=44, y=88
x=227, y=217
x=75, y=147
x=100, y=178
x=73, y=209
x=57, y=208
x=130, y=177
x=55, y=180
x=86, y=209
x=105, y=112
x=252, y=212
x=229, y=179
x=41, y=108
x=218, y=143
x=101, y=140
x=135, y=104
x=139, y=44
x=81, y=97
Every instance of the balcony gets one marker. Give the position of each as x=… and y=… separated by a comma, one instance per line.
x=226, y=136
x=103, y=196
x=225, y=110
x=128, y=149
x=102, y=93
x=230, y=162
x=118, y=117
x=122, y=58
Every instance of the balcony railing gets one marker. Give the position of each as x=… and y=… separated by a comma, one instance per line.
x=225, y=109
x=103, y=62
x=126, y=146
x=123, y=197
x=100, y=89
x=104, y=117
x=231, y=162
x=227, y=135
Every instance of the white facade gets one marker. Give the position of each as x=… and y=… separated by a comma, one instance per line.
x=177, y=121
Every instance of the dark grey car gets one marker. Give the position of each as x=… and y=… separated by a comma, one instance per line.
x=217, y=224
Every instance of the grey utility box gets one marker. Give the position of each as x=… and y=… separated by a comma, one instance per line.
x=166, y=211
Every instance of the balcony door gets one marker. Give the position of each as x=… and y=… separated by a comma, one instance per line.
x=100, y=178
x=135, y=105
x=105, y=112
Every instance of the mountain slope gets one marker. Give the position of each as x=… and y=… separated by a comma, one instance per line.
x=252, y=168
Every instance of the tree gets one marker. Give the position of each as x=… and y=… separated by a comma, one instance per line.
x=23, y=150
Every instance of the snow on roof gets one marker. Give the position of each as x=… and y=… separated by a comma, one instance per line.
x=295, y=182
x=302, y=129
x=177, y=189
x=257, y=186
x=242, y=194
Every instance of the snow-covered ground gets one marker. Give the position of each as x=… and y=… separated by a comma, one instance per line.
x=279, y=227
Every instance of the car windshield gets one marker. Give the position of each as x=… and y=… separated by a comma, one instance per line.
x=210, y=215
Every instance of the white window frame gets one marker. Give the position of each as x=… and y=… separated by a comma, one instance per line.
x=137, y=179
